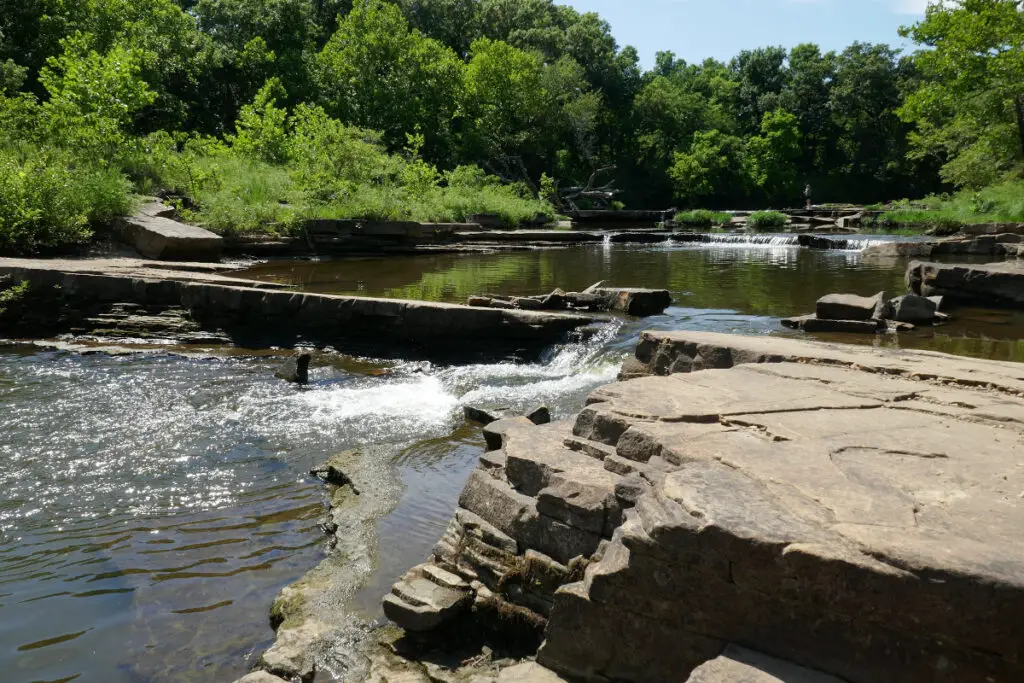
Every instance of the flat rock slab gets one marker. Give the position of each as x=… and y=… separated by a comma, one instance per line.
x=859, y=512
x=165, y=239
x=849, y=307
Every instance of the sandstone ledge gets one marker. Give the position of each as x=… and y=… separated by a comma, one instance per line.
x=855, y=512
x=255, y=315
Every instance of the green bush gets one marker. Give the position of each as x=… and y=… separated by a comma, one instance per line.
x=12, y=295
x=702, y=218
x=49, y=199
x=766, y=221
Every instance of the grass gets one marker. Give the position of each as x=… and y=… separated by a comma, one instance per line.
x=230, y=194
x=702, y=218
x=767, y=221
x=1001, y=203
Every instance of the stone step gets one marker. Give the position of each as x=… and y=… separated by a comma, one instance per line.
x=443, y=578
x=417, y=604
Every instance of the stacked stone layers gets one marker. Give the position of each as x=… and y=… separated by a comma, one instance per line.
x=253, y=315
x=852, y=511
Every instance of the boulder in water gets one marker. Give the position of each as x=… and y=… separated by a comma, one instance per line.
x=850, y=307
x=295, y=369
x=541, y=416
x=912, y=309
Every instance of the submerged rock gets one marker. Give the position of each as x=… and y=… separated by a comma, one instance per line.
x=812, y=323
x=295, y=369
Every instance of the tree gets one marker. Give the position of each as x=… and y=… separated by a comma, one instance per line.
x=507, y=106
x=93, y=96
x=262, y=126
x=969, y=111
x=376, y=72
x=771, y=158
x=711, y=168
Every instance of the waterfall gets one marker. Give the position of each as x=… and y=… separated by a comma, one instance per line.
x=774, y=240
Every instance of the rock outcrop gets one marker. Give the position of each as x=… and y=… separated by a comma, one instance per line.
x=853, y=512
x=850, y=313
x=990, y=284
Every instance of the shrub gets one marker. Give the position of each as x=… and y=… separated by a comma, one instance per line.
x=766, y=221
x=50, y=200
x=701, y=218
x=13, y=295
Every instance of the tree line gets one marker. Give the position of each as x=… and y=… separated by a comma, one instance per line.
x=532, y=92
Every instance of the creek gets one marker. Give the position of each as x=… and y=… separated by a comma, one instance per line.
x=152, y=505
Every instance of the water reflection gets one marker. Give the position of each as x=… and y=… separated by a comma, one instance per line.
x=751, y=287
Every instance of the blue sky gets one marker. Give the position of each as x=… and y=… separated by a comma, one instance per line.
x=697, y=29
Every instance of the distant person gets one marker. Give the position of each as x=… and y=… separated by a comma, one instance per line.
x=807, y=196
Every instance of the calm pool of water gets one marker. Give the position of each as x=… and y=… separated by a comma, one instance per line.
x=728, y=288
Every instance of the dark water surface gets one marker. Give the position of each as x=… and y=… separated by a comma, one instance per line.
x=151, y=506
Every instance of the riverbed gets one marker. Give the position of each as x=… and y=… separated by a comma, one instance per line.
x=152, y=505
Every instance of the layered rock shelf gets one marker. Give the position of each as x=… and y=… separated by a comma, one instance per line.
x=68, y=295
x=752, y=508
x=989, y=284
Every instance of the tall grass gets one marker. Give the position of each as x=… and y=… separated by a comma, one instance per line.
x=1001, y=203
x=767, y=221
x=702, y=218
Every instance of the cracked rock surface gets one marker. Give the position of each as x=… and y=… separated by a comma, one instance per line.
x=855, y=513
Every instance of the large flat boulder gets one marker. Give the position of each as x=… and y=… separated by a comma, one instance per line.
x=164, y=239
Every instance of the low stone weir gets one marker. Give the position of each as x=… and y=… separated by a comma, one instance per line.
x=852, y=511
x=253, y=315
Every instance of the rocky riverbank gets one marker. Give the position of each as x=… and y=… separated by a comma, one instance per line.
x=852, y=511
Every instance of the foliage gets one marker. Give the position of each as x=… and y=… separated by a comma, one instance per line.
x=441, y=108
x=767, y=221
x=1000, y=203
x=702, y=218
x=50, y=199
x=93, y=96
x=262, y=134
x=969, y=109
x=12, y=295
x=378, y=73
